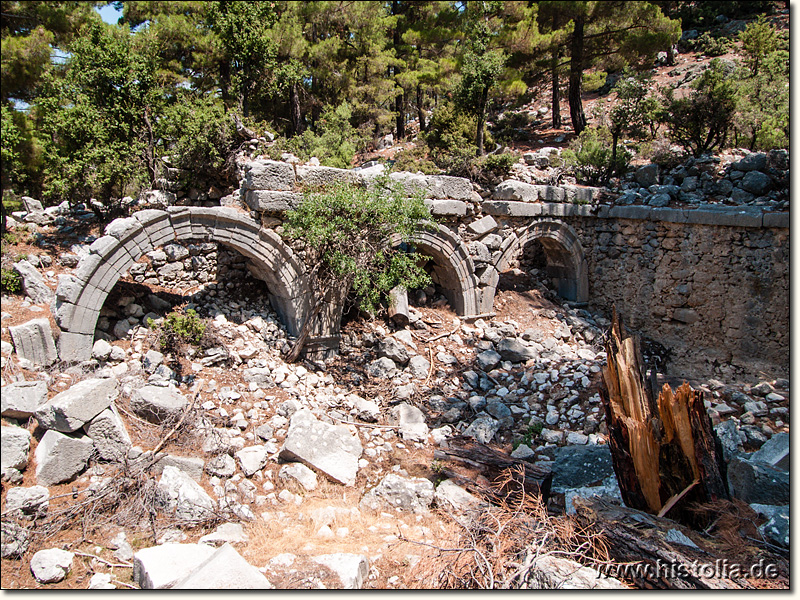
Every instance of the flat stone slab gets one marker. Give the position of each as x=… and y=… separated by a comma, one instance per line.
x=21, y=399
x=161, y=567
x=61, y=457
x=252, y=459
x=450, y=495
x=580, y=466
x=73, y=408
x=775, y=452
x=329, y=449
x=225, y=569
x=232, y=533
x=409, y=494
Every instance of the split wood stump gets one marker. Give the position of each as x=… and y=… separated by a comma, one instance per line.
x=664, y=450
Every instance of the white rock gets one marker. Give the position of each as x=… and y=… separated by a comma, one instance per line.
x=160, y=567
x=352, y=569
x=52, y=565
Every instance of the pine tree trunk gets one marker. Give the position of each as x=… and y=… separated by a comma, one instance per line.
x=420, y=109
x=575, y=77
x=481, y=121
x=296, y=116
x=556, y=106
x=665, y=453
x=400, y=117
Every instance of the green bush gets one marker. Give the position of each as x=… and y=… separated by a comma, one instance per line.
x=713, y=46
x=593, y=81
x=533, y=430
x=10, y=281
x=701, y=121
x=345, y=229
x=512, y=127
x=177, y=330
x=334, y=142
x=198, y=134
x=498, y=164
x=590, y=156
x=413, y=160
x=451, y=139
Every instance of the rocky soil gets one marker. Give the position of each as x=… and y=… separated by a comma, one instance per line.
x=316, y=474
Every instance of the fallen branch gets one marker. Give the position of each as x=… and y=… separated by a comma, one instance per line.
x=104, y=561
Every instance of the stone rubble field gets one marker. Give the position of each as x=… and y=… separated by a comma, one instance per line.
x=288, y=475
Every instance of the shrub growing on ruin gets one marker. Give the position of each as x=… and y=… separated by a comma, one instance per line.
x=347, y=231
x=177, y=330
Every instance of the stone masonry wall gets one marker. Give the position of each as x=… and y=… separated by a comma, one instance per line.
x=709, y=283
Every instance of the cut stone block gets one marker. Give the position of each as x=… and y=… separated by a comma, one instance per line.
x=160, y=567
x=775, y=452
x=33, y=283
x=330, y=449
x=20, y=400
x=61, y=457
x=413, y=494
x=184, y=496
x=73, y=408
x=33, y=342
x=225, y=569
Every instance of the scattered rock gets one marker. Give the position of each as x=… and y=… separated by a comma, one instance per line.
x=411, y=421
x=16, y=442
x=330, y=449
x=406, y=494
x=61, y=457
x=158, y=404
x=109, y=435
x=227, y=533
x=252, y=459
x=551, y=572
x=73, y=408
x=160, y=567
x=21, y=399
x=52, y=565
x=14, y=540
x=756, y=482
x=225, y=569
x=183, y=496
x=31, y=502
x=352, y=569
x=301, y=474
x=33, y=342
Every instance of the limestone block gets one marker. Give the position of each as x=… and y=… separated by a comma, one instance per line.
x=319, y=177
x=157, y=404
x=192, y=466
x=411, y=421
x=225, y=569
x=16, y=442
x=419, y=366
x=756, y=161
x=161, y=567
x=408, y=494
x=73, y=408
x=61, y=457
x=352, y=569
x=394, y=349
x=33, y=341
x=109, y=435
x=447, y=207
x=269, y=175
x=382, y=368
x=514, y=350
x=552, y=572
x=252, y=459
x=450, y=495
x=29, y=501
x=272, y=202
x=227, y=533
x=33, y=283
x=512, y=189
x=330, y=449
x=483, y=429
x=32, y=205
x=647, y=175
x=512, y=209
x=14, y=540
x=183, y=496
x=300, y=473
x=775, y=452
x=21, y=399
x=483, y=226
x=446, y=186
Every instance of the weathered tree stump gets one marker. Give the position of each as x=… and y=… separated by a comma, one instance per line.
x=665, y=453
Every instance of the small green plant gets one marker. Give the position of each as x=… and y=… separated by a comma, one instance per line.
x=512, y=127
x=413, y=160
x=437, y=466
x=591, y=156
x=10, y=281
x=533, y=430
x=713, y=46
x=594, y=81
x=178, y=329
x=498, y=164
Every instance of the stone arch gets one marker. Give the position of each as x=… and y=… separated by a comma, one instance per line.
x=80, y=295
x=452, y=265
x=566, y=261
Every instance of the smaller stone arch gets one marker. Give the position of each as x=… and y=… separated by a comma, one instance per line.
x=566, y=261
x=452, y=264
x=80, y=295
